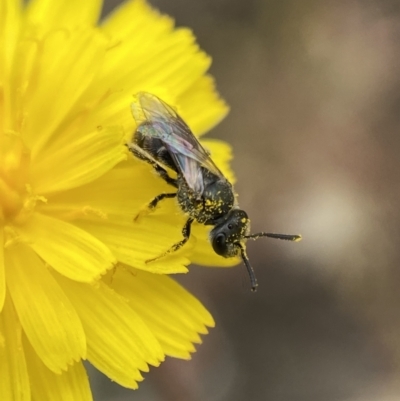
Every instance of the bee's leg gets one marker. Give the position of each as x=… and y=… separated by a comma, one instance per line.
x=141, y=154
x=164, y=175
x=178, y=245
x=153, y=204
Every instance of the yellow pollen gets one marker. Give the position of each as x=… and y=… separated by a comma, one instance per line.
x=84, y=212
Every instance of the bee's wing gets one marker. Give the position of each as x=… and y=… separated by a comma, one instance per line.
x=177, y=137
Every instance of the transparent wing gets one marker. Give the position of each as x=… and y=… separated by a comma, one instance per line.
x=166, y=125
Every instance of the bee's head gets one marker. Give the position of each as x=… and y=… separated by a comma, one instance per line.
x=227, y=239
x=227, y=234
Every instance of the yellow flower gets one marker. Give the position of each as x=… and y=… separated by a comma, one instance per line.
x=74, y=284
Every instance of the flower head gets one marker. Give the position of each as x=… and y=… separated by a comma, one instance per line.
x=74, y=284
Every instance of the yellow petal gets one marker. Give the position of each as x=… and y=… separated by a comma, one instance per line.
x=175, y=63
x=46, y=315
x=118, y=194
x=79, y=161
x=2, y=272
x=47, y=94
x=149, y=55
x=175, y=66
x=10, y=23
x=119, y=343
x=135, y=244
x=63, y=12
x=132, y=17
x=72, y=385
x=172, y=313
x=14, y=382
x=106, y=209
x=162, y=56
x=191, y=106
x=68, y=249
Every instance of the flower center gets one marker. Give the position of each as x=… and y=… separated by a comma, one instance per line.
x=14, y=168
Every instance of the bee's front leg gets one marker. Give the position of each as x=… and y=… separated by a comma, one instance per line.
x=178, y=245
x=153, y=204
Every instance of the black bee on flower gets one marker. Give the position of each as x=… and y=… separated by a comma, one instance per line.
x=164, y=140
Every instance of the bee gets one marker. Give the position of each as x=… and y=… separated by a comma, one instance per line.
x=165, y=141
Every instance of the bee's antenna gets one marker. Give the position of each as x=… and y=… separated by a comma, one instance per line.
x=253, y=279
x=287, y=237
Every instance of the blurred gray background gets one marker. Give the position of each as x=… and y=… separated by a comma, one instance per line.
x=314, y=92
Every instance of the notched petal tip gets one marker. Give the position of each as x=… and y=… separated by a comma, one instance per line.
x=119, y=343
x=175, y=316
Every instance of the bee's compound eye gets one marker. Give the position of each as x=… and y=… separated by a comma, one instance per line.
x=219, y=244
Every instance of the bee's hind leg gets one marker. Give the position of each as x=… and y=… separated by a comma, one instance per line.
x=153, y=204
x=178, y=245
